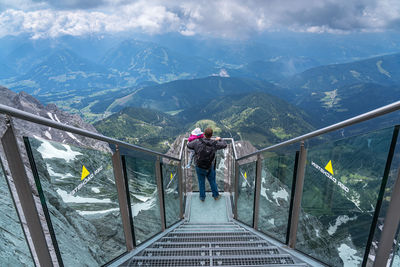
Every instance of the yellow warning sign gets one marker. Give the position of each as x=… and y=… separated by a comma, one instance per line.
x=171, y=176
x=245, y=175
x=85, y=172
x=329, y=168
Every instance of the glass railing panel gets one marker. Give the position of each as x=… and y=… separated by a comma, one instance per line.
x=221, y=170
x=77, y=189
x=245, y=203
x=341, y=187
x=190, y=173
x=276, y=188
x=14, y=250
x=171, y=191
x=143, y=194
x=392, y=177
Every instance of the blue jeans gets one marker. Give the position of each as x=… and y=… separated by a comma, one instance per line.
x=201, y=176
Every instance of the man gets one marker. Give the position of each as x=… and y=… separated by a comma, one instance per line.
x=204, y=150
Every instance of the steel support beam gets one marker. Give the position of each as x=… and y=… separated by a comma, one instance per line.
x=122, y=198
x=390, y=226
x=24, y=191
x=297, y=196
x=160, y=192
x=257, y=191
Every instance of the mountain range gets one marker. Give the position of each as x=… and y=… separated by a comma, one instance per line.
x=257, y=117
x=97, y=77
x=338, y=92
x=144, y=127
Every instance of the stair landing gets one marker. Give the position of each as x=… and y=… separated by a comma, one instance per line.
x=208, y=211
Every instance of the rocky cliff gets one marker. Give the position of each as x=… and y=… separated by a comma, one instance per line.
x=59, y=157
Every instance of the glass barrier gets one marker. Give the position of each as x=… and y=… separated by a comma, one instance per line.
x=143, y=194
x=341, y=186
x=14, y=250
x=276, y=189
x=392, y=177
x=78, y=193
x=192, y=184
x=245, y=203
x=221, y=170
x=171, y=191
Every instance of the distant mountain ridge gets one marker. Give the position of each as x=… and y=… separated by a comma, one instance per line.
x=188, y=94
x=337, y=92
x=383, y=70
x=257, y=117
x=138, y=61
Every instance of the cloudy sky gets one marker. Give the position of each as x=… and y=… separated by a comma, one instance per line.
x=217, y=18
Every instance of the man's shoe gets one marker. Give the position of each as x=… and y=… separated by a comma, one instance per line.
x=217, y=197
x=202, y=199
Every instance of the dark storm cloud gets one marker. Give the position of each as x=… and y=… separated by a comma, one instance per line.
x=346, y=16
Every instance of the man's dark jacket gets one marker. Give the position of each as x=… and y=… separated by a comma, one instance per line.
x=196, y=145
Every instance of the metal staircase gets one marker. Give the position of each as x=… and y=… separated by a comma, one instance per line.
x=207, y=234
x=211, y=241
x=224, y=244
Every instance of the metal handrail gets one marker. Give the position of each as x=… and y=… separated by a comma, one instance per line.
x=357, y=119
x=47, y=122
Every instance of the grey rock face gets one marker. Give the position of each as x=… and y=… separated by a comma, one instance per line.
x=28, y=103
x=79, y=230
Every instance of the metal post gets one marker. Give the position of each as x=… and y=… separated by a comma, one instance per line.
x=122, y=198
x=258, y=191
x=180, y=189
x=229, y=164
x=297, y=196
x=381, y=194
x=292, y=191
x=24, y=192
x=185, y=171
x=160, y=193
x=391, y=223
x=235, y=211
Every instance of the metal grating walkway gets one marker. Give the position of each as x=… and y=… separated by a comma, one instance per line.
x=212, y=240
x=211, y=245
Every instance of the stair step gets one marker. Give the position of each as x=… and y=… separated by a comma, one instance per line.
x=179, y=252
x=220, y=244
x=214, y=226
x=210, y=234
x=270, y=260
x=204, y=230
x=211, y=239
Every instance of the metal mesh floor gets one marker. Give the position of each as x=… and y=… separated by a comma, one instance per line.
x=209, y=234
x=243, y=251
x=246, y=261
x=211, y=239
x=166, y=262
x=204, y=261
x=216, y=247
